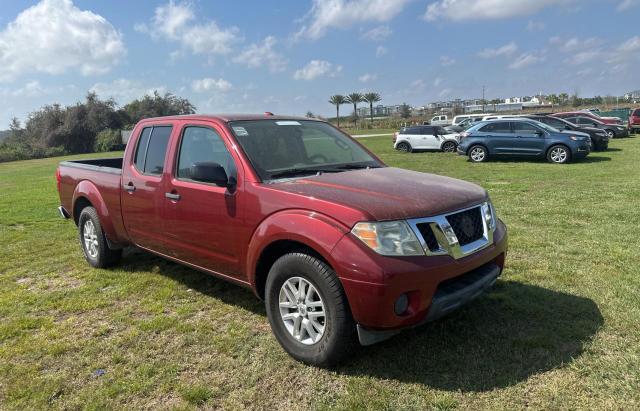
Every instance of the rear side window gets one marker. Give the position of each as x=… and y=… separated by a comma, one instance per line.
x=426, y=130
x=524, y=127
x=498, y=127
x=202, y=145
x=141, y=150
x=411, y=130
x=151, y=150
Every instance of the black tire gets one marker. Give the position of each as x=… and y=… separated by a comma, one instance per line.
x=101, y=256
x=338, y=338
x=404, y=147
x=602, y=147
x=478, y=154
x=449, y=147
x=559, y=154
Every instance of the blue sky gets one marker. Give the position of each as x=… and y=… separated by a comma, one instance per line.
x=289, y=56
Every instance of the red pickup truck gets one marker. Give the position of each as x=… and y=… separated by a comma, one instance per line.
x=341, y=247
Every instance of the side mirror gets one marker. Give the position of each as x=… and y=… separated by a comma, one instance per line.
x=210, y=173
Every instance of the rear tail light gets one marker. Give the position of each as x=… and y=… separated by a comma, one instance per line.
x=395, y=136
x=58, y=178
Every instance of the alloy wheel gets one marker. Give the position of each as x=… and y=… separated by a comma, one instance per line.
x=478, y=154
x=302, y=310
x=559, y=155
x=90, y=239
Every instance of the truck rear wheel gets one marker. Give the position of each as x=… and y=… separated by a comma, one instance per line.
x=93, y=241
x=308, y=310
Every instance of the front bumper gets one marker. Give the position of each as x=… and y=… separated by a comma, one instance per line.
x=373, y=283
x=451, y=295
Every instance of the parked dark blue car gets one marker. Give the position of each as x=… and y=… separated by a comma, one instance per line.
x=522, y=137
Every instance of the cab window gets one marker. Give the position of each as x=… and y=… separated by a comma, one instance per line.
x=202, y=145
x=151, y=150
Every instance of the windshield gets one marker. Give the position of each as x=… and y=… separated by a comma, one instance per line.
x=281, y=149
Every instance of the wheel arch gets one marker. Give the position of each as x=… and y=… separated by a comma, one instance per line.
x=286, y=232
x=86, y=194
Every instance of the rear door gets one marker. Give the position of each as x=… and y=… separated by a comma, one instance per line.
x=500, y=138
x=429, y=140
x=142, y=191
x=414, y=136
x=203, y=222
x=530, y=140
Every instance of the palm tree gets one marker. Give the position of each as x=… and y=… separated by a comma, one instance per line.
x=354, y=98
x=337, y=99
x=371, y=98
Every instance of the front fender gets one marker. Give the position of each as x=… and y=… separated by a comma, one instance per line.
x=86, y=189
x=317, y=231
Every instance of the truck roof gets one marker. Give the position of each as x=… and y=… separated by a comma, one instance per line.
x=228, y=117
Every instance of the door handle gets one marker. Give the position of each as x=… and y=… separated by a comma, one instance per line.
x=129, y=187
x=172, y=196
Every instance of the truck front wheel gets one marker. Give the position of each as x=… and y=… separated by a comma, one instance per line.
x=93, y=241
x=308, y=310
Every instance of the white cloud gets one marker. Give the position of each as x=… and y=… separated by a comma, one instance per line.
x=627, y=4
x=584, y=57
x=535, y=26
x=315, y=69
x=458, y=10
x=55, y=36
x=326, y=14
x=575, y=43
x=263, y=54
x=381, y=51
x=176, y=22
x=210, y=84
x=437, y=81
x=444, y=93
x=506, y=50
x=365, y=78
x=526, y=60
x=447, y=61
x=124, y=90
x=377, y=33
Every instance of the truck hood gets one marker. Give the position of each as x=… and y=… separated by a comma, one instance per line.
x=389, y=193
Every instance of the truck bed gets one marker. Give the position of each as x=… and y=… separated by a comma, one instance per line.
x=106, y=165
x=99, y=181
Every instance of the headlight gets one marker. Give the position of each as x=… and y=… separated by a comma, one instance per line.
x=389, y=238
x=489, y=214
x=621, y=128
x=576, y=138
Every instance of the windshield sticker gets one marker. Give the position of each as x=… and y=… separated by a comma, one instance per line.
x=288, y=123
x=240, y=131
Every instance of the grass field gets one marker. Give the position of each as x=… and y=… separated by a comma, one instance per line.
x=560, y=330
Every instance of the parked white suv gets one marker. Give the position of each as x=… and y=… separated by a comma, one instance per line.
x=425, y=138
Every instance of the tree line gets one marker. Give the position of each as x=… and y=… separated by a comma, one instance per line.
x=354, y=98
x=89, y=126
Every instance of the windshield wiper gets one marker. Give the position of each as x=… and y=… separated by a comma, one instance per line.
x=356, y=166
x=293, y=172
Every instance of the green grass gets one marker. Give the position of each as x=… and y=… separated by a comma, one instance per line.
x=559, y=331
x=361, y=131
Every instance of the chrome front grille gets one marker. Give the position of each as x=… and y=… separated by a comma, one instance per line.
x=457, y=234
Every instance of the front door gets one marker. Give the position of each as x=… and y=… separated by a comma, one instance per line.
x=529, y=139
x=202, y=220
x=142, y=194
x=428, y=138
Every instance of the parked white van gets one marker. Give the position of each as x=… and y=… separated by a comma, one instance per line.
x=462, y=117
